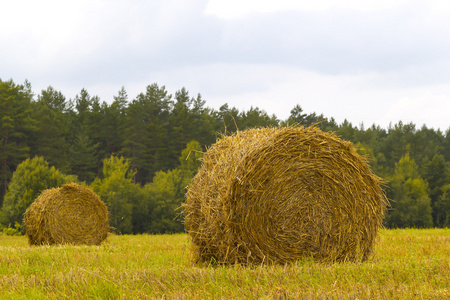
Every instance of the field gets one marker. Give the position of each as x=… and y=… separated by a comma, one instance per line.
x=409, y=264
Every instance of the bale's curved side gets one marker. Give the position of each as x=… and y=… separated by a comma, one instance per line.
x=35, y=221
x=71, y=214
x=281, y=194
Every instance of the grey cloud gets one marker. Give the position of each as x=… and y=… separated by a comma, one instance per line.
x=136, y=42
x=330, y=42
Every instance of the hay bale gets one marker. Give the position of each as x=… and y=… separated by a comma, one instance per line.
x=275, y=195
x=71, y=214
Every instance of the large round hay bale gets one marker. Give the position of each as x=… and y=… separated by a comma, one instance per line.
x=275, y=195
x=71, y=214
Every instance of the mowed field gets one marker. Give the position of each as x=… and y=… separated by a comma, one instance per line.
x=408, y=264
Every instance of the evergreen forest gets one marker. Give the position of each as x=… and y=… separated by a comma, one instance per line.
x=140, y=154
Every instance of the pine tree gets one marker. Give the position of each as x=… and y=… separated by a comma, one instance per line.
x=255, y=117
x=146, y=132
x=181, y=122
x=228, y=120
x=16, y=128
x=83, y=158
x=94, y=128
x=297, y=116
x=426, y=143
x=398, y=143
x=113, y=122
x=446, y=145
x=189, y=120
x=52, y=113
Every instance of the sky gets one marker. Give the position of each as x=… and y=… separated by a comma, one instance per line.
x=370, y=62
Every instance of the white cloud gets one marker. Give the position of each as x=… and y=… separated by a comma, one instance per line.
x=421, y=107
x=231, y=9
x=361, y=97
x=41, y=31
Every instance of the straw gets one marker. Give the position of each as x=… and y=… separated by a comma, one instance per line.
x=71, y=214
x=276, y=195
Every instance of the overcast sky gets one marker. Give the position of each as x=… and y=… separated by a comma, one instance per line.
x=371, y=61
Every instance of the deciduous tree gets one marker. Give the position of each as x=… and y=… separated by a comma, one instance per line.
x=29, y=180
x=119, y=192
x=411, y=205
x=443, y=208
x=167, y=191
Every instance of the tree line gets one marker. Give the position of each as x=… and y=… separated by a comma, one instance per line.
x=139, y=154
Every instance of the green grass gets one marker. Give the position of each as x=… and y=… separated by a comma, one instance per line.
x=409, y=264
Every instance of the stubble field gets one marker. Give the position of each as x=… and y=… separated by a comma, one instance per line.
x=408, y=264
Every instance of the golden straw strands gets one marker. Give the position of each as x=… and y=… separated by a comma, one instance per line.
x=275, y=195
x=71, y=214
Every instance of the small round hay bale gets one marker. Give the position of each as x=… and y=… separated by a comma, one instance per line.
x=275, y=195
x=71, y=214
